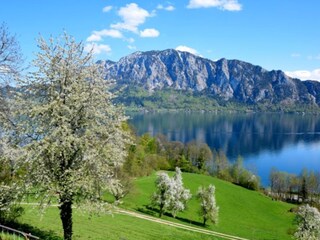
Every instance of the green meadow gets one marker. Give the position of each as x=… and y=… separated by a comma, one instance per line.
x=103, y=227
x=243, y=213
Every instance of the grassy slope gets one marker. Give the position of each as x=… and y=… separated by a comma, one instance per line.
x=7, y=236
x=242, y=212
x=106, y=227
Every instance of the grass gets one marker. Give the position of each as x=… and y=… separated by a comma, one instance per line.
x=7, y=236
x=243, y=212
x=103, y=227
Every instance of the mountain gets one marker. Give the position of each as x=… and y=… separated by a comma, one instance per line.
x=224, y=80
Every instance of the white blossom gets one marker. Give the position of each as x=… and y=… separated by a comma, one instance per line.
x=308, y=223
x=208, y=207
x=180, y=194
x=68, y=126
x=170, y=194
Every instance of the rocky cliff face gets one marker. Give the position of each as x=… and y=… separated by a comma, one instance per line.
x=224, y=79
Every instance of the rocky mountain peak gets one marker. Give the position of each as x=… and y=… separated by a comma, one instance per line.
x=223, y=79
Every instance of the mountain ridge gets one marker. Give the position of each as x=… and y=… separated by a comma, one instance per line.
x=228, y=80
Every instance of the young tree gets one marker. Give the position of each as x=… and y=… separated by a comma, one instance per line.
x=208, y=208
x=120, y=184
x=304, y=189
x=279, y=183
x=163, y=195
x=170, y=194
x=174, y=152
x=308, y=223
x=199, y=154
x=180, y=194
x=236, y=170
x=72, y=132
x=220, y=166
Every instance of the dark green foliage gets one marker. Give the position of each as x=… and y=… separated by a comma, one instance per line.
x=190, y=157
x=137, y=98
x=244, y=177
x=11, y=214
x=10, y=176
x=198, y=154
x=32, y=229
x=157, y=153
x=220, y=166
x=143, y=158
x=235, y=173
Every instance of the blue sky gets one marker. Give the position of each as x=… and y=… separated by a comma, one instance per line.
x=275, y=34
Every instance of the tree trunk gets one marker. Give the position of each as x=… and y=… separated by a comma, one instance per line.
x=204, y=221
x=66, y=218
x=161, y=210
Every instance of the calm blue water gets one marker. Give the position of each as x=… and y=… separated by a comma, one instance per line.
x=289, y=142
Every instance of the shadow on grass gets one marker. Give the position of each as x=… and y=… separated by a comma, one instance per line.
x=155, y=213
x=148, y=210
x=47, y=235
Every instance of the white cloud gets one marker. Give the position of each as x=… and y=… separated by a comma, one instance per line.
x=187, y=49
x=130, y=40
x=94, y=38
x=97, y=35
x=107, y=9
x=295, y=55
x=305, y=74
x=132, y=16
x=229, y=5
x=149, y=32
x=131, y=47
x=168, y=8
x=97, y=48
x=314, y=57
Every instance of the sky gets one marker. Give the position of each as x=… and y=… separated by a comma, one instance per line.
x=275, y=34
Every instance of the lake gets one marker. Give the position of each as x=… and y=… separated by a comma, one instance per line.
x=288, y=142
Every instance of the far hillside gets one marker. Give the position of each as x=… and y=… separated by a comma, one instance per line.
x=172, y=79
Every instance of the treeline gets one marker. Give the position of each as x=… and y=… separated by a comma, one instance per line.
x=158, y=153
x=304, y=187
x=137, y=98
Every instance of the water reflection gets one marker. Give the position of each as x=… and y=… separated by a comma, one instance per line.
x=256, y=137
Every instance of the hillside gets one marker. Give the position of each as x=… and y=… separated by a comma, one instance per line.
x=102, y=227
x=243, y=213
x=223, y=80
